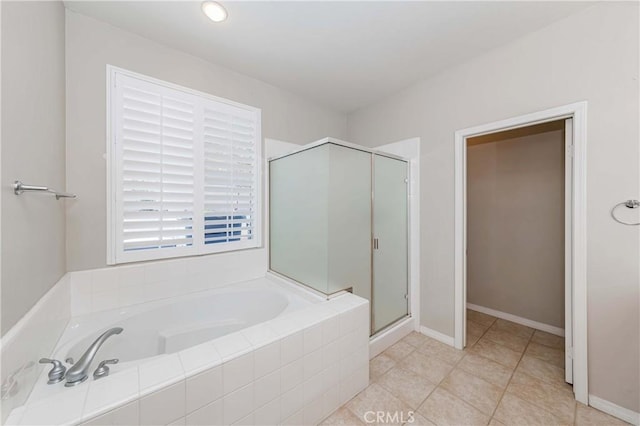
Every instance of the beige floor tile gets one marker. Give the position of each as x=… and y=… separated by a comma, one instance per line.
x=415, y=339
x=406, y=386
x=376, y=398
x=587, y=416
x=399, y=351
x=481, y=394
x=495, y=352
x=431, y=368
x=541, y=370
x=512, y=327
x=472, y=339
x=443, y=408
x=547, y=339
x=342, y=416
x=556, y=399
x=420, y=420
x=380, y=365
x=475, y=328
x=480, y=318
x=486, y=369
x=444, y=352
x=505, y=338
x=515, y=411
x=494, y=422
x=545, y=353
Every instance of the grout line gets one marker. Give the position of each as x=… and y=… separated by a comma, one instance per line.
x=437, y=385
x=511, y=376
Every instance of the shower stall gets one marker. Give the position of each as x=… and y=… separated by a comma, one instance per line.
x=338, y=220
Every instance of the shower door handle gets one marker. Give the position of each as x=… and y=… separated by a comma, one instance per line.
x=376, y=244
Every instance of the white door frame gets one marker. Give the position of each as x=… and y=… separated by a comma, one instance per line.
x=577, y=111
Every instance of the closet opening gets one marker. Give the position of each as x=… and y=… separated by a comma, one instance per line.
x=520, y=246
x=516, y=241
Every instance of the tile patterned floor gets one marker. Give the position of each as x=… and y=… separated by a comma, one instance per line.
x=509, y=374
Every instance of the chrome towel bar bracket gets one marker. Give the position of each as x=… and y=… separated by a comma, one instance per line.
x=630, y=204
x=19, y=188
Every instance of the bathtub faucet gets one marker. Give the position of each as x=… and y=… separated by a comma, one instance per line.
x=78, y=373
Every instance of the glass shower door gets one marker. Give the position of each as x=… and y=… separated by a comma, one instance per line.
x=390, y=244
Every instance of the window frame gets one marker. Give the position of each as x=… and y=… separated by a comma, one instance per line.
x=115, y=253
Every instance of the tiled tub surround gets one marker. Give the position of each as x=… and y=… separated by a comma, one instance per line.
x=125, y=285
x=83, y=292
x=36, y=334
x=171, y=325
x=294, y=369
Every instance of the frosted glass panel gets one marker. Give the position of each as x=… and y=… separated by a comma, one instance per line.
x=299, y=216
x=390, y=229
x=350, y=221
x=320, y=218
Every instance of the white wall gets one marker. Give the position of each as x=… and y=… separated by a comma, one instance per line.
x=515, y=226
x=91, y=45
x=592, y=55
x=33, y=132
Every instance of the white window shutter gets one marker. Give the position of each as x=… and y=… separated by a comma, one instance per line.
x=185, y=172
x=156, y=138
x=229, y=174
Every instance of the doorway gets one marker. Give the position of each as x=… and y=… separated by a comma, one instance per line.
x=572, y=119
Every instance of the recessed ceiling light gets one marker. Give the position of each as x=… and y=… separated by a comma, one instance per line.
x=214, y=11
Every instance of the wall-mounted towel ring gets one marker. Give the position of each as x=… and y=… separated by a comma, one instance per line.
x=630, y=204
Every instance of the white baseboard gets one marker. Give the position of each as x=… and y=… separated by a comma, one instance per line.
x=448, y=340
x=518, y=320
x=390, y=336
x=614, y=410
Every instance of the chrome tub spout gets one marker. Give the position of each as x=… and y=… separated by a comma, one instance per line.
x=78, y=373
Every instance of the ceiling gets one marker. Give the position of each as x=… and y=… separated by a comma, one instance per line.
x=344, y=55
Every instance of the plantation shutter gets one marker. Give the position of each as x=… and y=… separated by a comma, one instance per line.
x=186, y=172
x=155, y=138
x=229, y=174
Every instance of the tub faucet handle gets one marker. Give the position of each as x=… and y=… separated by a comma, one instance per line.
x=56, y=374
x=103, y=369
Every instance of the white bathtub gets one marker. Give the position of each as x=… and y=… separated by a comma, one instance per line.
x=169, y=326
x=258, y=352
